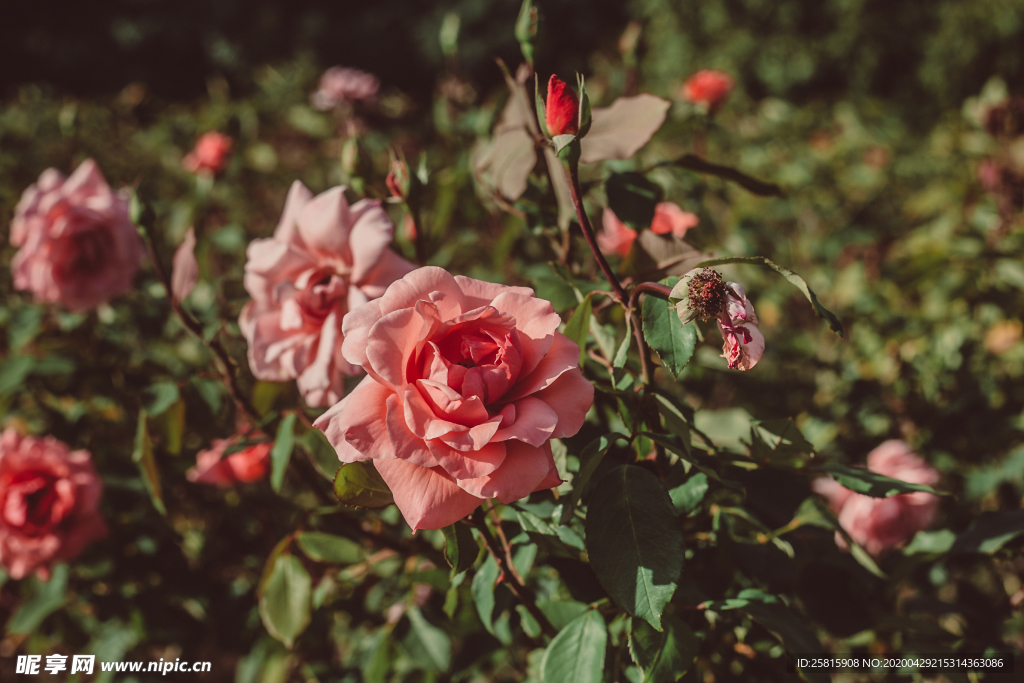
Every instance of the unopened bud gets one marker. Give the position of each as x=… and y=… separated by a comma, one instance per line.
x=398, y=181
x=563, y=107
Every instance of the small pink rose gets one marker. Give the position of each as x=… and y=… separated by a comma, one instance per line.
x=78, y=245
x=341, y=84
x=880, y=524
x=744, y=343
x=325, y=259
x=247, y=465
x=709, y=88
x=670, y=218
x=49, y=499
x=615, y=236
x=467, y=383
x=209, y=155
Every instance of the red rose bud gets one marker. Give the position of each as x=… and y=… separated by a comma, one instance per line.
x=398, y=178
x=708, y=87
x=209, y=155
x=563, y=108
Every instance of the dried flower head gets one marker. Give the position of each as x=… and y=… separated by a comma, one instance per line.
x=707, y=293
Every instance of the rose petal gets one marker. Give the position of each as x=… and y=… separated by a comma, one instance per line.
x=407, y=446
x=371, y=234
x=571, y=396
x=355, y=426
x=480, y=293
x=427, y=497
x=536, y=323
x=298, y=196
x=355, y=328
x=563, y=356
x=525, y=467
x=534, y=423
x=468, y=464
x=324, y=224
x=418, y=285
x=390, y=343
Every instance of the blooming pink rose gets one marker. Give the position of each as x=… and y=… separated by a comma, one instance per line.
x=341, y=84
x=708, y=87
x=744, y=343
x=48, y=503
x=669, y=218
x=563, y=108
x=615, y=236
x=879, y=524
x=209, y=154
x=78, y=245
x=324, y=259
x=467, y=383
x=248, y=464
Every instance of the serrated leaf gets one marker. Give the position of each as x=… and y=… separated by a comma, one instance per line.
x=328, y=548
x=286, y=599
x=814, y=511
x=460, y=548
x=578, y=325
x=142, y=455
x=634, y=541
x=873, y=484
x=931, y=542
x=358, y=484
x=664, y=656
x=561, y=612
x=576, y=654
x=622, y=354
x=281, y=453
x=619, y=131
x=753, y=185
x=677, y=416
x=780, y=442
x=672, y=341
x=990, y=532
x=833, y=322
x=590, y=458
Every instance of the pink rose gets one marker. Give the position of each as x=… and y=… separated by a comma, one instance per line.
x=708, y=87
x=744, y=343
x=78, y=245
x=467, y=383
x=48, y=503
x=324, y=259
x=341, y=84
x=669, y=218
x=879, y=524
x=615, y=236
x=248, y=464
x=209, y=154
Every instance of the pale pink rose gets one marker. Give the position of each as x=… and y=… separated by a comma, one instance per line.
x=324, y=259
x=879, y=524
x=467, y=383
x=341, y=84
x=670, y=218
x=744, y=343
x=209, y=155
x=708, y=87
x=615, y=236
x=246, y=465
x=49, y=497
x=78, y=246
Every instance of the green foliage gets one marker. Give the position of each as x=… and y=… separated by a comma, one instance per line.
x=358, y=484
x=673, y=342
x=576, y=654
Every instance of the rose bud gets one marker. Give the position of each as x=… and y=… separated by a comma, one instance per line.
x=209, y=155
x=708, y=88
x=398, y=180
x=563, y=108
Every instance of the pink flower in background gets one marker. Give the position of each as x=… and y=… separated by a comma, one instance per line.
x=467, y=383
x=744, y=343
x=209, y=155
x=709, y=88
x=49, y=497
x=78, y=245
x=246, y=465
x=615, y=236
x=341, y=84
x=563, y=108
x=879, y=524
x=324, y=259
x=669, y=218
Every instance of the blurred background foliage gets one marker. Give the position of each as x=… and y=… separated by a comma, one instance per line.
x=868, y=113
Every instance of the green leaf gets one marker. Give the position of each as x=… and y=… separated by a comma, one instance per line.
x=48, y=598
x=578, y=325
x=358, y=484
x=460, y=548
x=142, y=456
x=483, y=591
x=527, y=621
x=285, y=599
x=171, y=425
x=873, y=484
x=13, y=373
x=622, y=353
x=526, y=29
x=664, y=656
x=281, y=453
x=796, y=634
x=576, y=654
x=672, y=341
x=634, y=541
x=435, y=643
x=632, y=197
x=160, y=397
x=779, y=442
x=561, y=612
x=753, y=185
x=323, y=454
x=931, y=543
x=990, y=532
x=619, y=131
x=687, y=496
x=328, y=548
x=677, y=416
x=833, y=322
x=590, y=458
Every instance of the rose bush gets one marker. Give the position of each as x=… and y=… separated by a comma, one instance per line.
x=325, y=259
x=49, y=499
x=77, y=243
x=467, y=382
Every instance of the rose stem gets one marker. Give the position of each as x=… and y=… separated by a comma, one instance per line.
x=572, y=171
x=521, y=590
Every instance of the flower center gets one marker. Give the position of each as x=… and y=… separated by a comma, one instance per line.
x=708, y=293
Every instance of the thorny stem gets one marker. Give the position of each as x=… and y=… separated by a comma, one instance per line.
x=520, y=590
x=572, y=172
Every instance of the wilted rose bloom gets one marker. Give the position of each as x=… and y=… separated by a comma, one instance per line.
x=615, y=237
x=879, y=524
x=467, y=383
x=744, y=343
x=209, y=154
x=248, y=464
x=325, y=259
x=563, y=108
x=670, y=218
x=78, y=246
x=341, y=84
x=708, y=87
x=49, y=497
